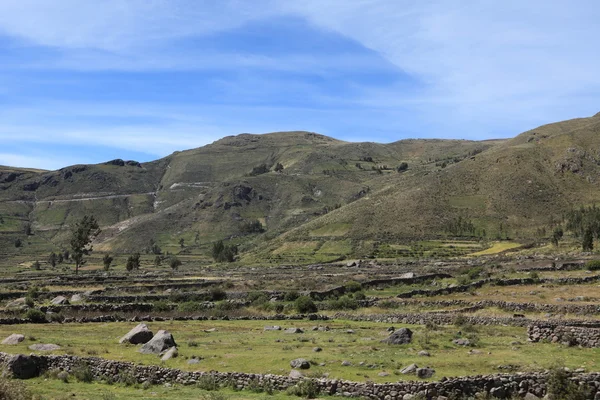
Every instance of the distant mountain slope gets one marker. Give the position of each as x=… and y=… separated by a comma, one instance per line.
x=325, y=190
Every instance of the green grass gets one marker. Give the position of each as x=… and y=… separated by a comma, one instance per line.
x=56, y=389
x=243, y=346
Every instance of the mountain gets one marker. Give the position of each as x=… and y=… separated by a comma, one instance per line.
x=331, y=197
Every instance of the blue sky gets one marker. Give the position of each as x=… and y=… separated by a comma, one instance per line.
x=84, y=81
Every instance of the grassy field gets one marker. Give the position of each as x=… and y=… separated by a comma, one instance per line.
x=243, y=346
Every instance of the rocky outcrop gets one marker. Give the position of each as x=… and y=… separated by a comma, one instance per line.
x=162, y=341
x=138, y=335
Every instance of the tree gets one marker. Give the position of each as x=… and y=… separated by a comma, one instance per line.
x=133, y=262
x=36, y=265
x=27, y=229
x=587, y=242
x=59, y=258
x=81, y=238
x=174, y=263
x=181, y=242
x=278, y=167
x=157, y=260
x=402, y=167
x=107, y=260
x=222, y=252
x=52, y=259
x=18, y=242
x=557, y=235
x=66, y=255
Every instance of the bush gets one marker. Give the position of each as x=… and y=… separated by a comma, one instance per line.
x=343, y=303
x=353, y=286
x=83, y=373
x=13, y=390
x=208, y=382
x=35, y=315
x=561, y=387
x=161, y=305
x=217, y=294
x=174, y=263
x=133, y=262
x=291, y=296
x=189, y=306
x=257, y=298
x=304, y=304
x=593, y=265
x=253, y=226
x=224, y=253
x=359, y=296
x=304, y=388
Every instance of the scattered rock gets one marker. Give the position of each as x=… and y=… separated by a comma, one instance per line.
x=300, y=363
x=295, y=374
x=160, y=342
x=194, y=360
x=423, y=353
x=15, y=338
x=498, y=392
x=382, y=374
x=411, y=369
x=24, y=367
x=294, y=330
x=346, y=363
x=401, y=336
x=317, y=349
x=44, y=347
x=76, y=298
x=350, y=331
x=462, y=342
x=272, y=328
x=425, y=373
x=59, y=301
x=171, y=353
x=138, y=335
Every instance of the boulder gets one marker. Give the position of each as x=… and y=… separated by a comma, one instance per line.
x=401, y=336
x=411, y=369
x=171, y=353
x=425, y=373
x=77, y=298
x=159, y=343
x=59, y=300
x=423, y=353
x=294, y=330
x=300, y=363
x=346, y=363
x=462, y=342
x=24, y=367
x=138, y=335
x=44, y=347
x=317, y=349
x=408, y=275
x=17, y=304
x=295, y=374
x=272, y=328
x=194, y=360
x=15, y=338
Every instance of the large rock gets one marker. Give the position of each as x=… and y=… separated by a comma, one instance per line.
x=159, y=343
x=171, y=353
x=138, y=335
x=44, y=347
x=15, y=338
x=410, y=369
x=59, y=300
x=294, y=330
x=272, y=328
x=408, y=275
x=77, y=298
x=425, y=373
x=462, y=342
x=401, y=336
x=24, y=367
x=295, y=374
x=300, y=363
x=17, y=304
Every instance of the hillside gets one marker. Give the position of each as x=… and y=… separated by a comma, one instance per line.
x=331, y=196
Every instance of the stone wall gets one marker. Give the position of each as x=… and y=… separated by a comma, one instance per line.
x=584, y=335
x=502, y=386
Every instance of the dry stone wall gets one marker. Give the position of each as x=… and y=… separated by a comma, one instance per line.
x=584, y=335
x=501, y=386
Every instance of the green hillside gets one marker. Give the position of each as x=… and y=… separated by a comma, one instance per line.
x=314, y=195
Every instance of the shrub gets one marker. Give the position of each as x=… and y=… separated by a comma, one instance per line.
x=561, y=387
x=459, y=320
x=343, y=303
x=593, y=265
x=127, y=378
x=13, y=390
x=291, y=296
x=304, y=304
x=83, y=373
x=161, y=305
x=353, y=286
x=189, y=306
x=304, y=388
x=133, y=262
x=29, y=301
x=35, y=315
x=257, y=298
x=18, y=242
x=252, y=226
x=224, y=253
x=208, y=382
x=359, y=296
x=217, y=294
x=174, y=263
